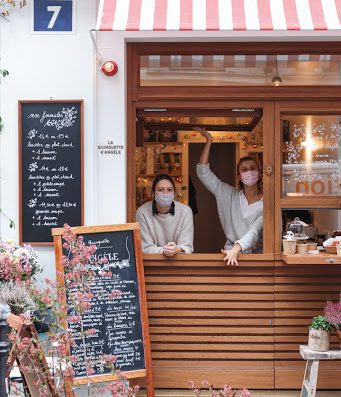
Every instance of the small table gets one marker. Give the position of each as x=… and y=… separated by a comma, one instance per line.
x=311, y=370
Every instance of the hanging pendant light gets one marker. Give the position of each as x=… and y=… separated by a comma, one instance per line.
x=276, y=80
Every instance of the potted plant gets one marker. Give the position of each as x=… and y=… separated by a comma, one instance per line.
x=332, y=311
x=319, y=334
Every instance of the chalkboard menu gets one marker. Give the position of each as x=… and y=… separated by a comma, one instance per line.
x=121, y=321
x=51, y=169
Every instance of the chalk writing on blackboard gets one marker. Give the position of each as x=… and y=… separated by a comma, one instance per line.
x=116, y=318
x=51, y=167
x=118, y=322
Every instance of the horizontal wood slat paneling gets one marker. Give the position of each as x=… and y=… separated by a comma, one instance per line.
x=300, y=293
x=239, y=325
x=208, y=296
x=209, y=321
x=201, y=319
x=260, y=346
x=203, y=313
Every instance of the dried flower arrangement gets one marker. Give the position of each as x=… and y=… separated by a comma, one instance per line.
x=226, y=391
x=18, y=268
x=17, y=297
x=332, y=312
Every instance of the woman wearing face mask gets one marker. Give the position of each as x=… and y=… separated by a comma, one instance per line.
x=240, y=210
x=166, y=225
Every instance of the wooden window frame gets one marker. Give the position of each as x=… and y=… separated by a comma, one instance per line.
x=227, y=96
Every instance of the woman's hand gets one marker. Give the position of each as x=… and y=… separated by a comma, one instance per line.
x=203, y=133
x=171, y=249
x=232, y=255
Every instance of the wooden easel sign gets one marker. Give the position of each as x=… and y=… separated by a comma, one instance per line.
x=32, y=379
x=121, y=322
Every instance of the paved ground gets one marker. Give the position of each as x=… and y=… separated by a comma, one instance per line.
x=186, y=393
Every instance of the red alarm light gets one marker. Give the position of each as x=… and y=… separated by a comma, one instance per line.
x=109, y=68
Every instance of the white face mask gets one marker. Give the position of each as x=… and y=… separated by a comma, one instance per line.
x=249, y=178
x=164, y=199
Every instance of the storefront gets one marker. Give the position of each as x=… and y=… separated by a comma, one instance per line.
x=207, y=320
x=265, y=80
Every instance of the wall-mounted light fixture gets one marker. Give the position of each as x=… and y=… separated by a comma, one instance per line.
x=276, y=80
x=109, y=68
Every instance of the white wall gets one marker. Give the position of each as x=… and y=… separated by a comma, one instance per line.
x=64, y=66
x=43, y=66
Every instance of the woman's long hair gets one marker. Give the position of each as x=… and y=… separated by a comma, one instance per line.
x=259, y=168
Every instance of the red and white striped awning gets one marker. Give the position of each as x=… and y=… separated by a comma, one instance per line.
x=233, y=61
x=219, y=15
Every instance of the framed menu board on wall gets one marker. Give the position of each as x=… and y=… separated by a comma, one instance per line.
x=50, y=167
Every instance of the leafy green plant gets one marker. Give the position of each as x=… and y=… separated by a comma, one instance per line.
x=320, y=322
x=4, y=72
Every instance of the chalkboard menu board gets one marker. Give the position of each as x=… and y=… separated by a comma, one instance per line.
x=50, y=167
x=121, y=322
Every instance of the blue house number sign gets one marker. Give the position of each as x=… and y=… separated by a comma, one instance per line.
x=53, y=15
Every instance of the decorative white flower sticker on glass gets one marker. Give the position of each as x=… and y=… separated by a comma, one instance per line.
x=293, y=152
x=337, y=129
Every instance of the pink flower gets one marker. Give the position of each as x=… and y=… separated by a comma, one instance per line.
x=91, y=331
x=74, y=319
x=115, y=293
x=245, y=393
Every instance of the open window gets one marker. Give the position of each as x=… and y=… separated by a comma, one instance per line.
x=167, y=143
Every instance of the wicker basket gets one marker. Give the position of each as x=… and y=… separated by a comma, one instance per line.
x=330, y=250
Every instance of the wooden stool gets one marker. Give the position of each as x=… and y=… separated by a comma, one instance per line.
x=312, y=367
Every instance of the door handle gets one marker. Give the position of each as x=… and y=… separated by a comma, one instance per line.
x=269, y=169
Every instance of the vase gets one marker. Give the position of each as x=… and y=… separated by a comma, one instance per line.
x=318, y=340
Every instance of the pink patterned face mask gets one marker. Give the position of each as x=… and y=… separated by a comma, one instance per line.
x=249, y=178
x=164, y=199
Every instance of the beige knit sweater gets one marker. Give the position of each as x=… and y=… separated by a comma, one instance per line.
x=159, y=229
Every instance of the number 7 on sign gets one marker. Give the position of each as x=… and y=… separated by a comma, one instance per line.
x=56, y=11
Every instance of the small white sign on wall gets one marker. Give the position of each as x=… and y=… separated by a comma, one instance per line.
x=53, y=16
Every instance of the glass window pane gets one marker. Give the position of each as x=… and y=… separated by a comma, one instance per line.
x=311, y=155
x=317, y=225
x=231, y=70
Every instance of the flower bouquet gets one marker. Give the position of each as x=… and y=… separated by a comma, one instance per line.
x=17, y=263
x=332, y=312
x=18, y=267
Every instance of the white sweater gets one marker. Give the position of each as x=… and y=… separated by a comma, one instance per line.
x=159, y=229
x=246, y=231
